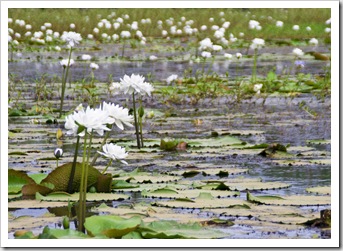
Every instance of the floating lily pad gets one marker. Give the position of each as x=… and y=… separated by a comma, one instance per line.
x=215, y=142
x=194, y=193
x=318, y=141
x=60, y=196
x=204, y=200
x=320, y=190
x=292, y=200
x=175, y=230
x=221, y=172
x=111, y=226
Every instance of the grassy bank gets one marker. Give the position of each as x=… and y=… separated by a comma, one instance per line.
x=86, y=20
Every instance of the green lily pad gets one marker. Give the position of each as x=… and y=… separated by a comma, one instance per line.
x=215, y=142
x=219, y=171
x=111, y=226
x=318, y=141
x=67, y=234
x=16, y=180
x=175, y=230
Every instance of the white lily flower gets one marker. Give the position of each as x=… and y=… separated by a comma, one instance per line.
x=71, y=38
x=114, y=152
x=119, y=114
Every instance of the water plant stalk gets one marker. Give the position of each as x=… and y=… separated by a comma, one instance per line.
x=72, y=172
x=82, y=195
x=254, y=67
x=136, y=122
x=109, y=163
x=96, y=155
x=64, y=81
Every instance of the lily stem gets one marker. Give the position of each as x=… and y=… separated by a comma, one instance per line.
x=72, y=172
x=82, y=196
x=136, y=122
x=64, y=81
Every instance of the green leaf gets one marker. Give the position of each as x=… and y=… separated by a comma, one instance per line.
x=16, y=180
x=111, y=226
x=63, y=196
x=67, y=234
x=174, y=230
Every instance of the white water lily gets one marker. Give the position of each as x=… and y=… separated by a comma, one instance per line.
x=71, y=38
x=86, y=57
x=135, y=84
x=119, y=114
x=313, y=41
x=205, y=44
x=279, y=23
x=296, y=27
x=228, y=55
x=125, y=34
x=171, y=78
x=257, y=43
x=298, y=52
x=114, y=152
x=206, y=54
x=94, y=66
x=238, y=55
x=64, y=62
x=257, y=88
x=91, y=119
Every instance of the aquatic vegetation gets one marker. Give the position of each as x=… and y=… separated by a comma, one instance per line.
x=229, y=126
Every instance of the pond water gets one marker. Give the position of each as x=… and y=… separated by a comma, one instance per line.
x=280, y=119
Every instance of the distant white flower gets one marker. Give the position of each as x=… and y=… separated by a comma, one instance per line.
x=226, y=25
x=171, y=78
x=164, y=33
x=279, y=24
x=28, y=26
x=64, y=62
x=221, y=13
x=119, y=114
x=135, y=84
x=96, y=30
x=308, y=28
x=120, y=20
x=218, y=34
x=9, y=38
x=253, y=24
x=114, y=152
x=15, y=42
x=17, y=35
x=257, y=43
x=90, y=36
x=72, y=26
x=298, y=52
x=48, y=38
x=152, y=58
x=241, y=34
x=139, y=34
x=205, y=44
x=94, y=66
x=86, y=57
x=211, y=19
x=238, y=55
x=206, y=54
x=28, y=34
x=313, y=41
x=10, y=20
x=257, y=88
x=228, y=55
x=57, y=48
x=79, y=107
x=327, y=22
x=327, y=30
x=71, y=38
x=115, y=37
x=217, y=47
x=203, y=27
x=296, y=27
x=38, y=34
x=56, y=34
x=134, y=25
x=125, y=34
x=116, y=25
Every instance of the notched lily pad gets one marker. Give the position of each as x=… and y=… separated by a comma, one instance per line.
x=325, y=190
x=62, y=196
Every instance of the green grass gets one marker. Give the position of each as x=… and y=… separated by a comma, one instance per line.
x=239, y=19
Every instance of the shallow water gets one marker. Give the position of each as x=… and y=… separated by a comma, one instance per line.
x=280, y=119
